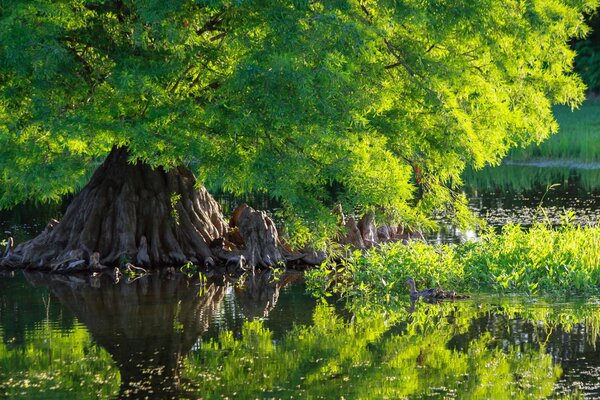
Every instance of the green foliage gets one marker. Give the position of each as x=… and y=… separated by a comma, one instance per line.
x=542, y=259
x=539, y=260
x=387, y=101
x=587, y=62
x=575, y=146
x=174, y=199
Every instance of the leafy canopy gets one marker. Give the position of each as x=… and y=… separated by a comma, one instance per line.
x=377, y=105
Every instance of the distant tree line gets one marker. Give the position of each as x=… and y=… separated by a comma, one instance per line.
x=587, y=62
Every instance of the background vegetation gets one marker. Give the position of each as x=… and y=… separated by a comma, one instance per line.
x=577, y=142
x=587, y=62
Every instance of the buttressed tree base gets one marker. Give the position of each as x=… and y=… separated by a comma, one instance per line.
x=151, y=218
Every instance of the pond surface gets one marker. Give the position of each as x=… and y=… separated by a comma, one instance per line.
x=158, y=337
x=528, y=193
x=531, y=192
x=162, y=337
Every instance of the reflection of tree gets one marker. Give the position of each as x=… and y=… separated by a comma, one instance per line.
x=476, y=351
x=147, y=325
x=260, y=292
x=376, y=356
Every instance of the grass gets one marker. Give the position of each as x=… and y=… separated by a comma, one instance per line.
x=578, y=138
x=564, y=260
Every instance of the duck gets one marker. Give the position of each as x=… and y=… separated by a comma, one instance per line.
x=433, y=293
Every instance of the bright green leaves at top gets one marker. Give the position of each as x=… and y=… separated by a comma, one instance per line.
x=378, y=105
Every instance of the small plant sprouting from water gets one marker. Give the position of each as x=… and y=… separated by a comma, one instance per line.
x=540, y=206
x=190, y=269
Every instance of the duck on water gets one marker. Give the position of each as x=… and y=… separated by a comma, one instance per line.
x=433, y=293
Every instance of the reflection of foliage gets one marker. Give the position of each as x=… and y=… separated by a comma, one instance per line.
x=58, y=363
x=520, y=178
x=473, y=350
x=371, y=357
x=541, y=259
x=481, y=372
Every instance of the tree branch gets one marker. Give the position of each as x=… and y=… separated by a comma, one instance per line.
x=212, y=24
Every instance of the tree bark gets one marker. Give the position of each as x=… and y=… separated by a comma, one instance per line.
x=128, y=212
x=154, y=218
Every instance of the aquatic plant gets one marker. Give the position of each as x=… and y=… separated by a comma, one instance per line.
x=541, y=259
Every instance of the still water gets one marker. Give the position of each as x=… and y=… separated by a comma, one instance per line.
x=262, y=336
x=528, y=193
x=160, y=337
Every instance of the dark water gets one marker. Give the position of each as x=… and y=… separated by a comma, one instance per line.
x=263, y=337
x=67, y=337
x=527, y=193
x=524, y=194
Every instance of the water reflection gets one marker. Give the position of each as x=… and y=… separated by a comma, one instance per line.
x=161, y=338
x=514, y=193
x=374, y=356
x=148, y=325
x=520, y=194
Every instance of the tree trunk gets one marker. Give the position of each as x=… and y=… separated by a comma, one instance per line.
x=148, y=326
x=153, y=218
x=128, y=213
